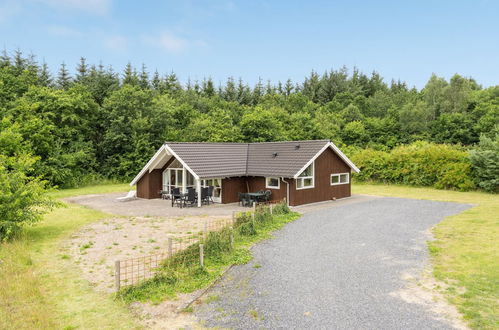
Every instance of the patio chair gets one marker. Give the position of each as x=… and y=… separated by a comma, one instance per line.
x=268, y=193
x=209, y=197
x=204, y=195
x=191, y=198
x=175, y=199
x=244, y=199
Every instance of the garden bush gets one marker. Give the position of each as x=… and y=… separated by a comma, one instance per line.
x=485, y=162
x=421, y=163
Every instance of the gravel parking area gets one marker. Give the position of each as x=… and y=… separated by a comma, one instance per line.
x=353, y=266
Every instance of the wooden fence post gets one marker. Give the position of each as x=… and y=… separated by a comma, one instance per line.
x=201, y=255
x=231, y=237
x=271, y=208
x=170, y=247
x=254, y=206
x=205, y=229
x=117, y=275
x=233, y=218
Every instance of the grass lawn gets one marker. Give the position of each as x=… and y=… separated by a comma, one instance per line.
x=40, y=288
x=465, y=253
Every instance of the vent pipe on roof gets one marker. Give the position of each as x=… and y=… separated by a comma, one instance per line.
x=274, y=155
x=297, y=146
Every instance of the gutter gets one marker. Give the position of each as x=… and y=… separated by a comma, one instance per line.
x=287, y=190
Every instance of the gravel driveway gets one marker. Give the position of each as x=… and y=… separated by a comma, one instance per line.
x=336, y=268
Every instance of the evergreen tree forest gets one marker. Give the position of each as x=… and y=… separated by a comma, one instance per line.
x=99, y=123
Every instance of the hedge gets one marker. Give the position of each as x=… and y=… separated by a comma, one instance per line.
x=421, y=163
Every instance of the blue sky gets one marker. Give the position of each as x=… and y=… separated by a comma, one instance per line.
x=274, y=40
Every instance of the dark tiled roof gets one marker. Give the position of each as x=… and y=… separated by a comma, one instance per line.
x=210, y=160
x=213, y=160
x=291, y=157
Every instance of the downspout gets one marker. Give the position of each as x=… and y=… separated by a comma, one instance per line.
x=287, y=190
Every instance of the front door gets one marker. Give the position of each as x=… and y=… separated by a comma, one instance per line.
x=217, y=188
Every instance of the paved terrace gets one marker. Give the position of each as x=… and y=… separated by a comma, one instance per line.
x=162, y=208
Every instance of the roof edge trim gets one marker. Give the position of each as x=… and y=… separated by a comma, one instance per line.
x=337, y=151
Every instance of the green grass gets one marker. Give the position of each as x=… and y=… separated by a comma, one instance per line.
x=41, y=288
x=190, y=277
x=94, y=189
x=465, y=253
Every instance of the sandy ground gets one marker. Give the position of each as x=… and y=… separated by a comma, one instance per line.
x=97, y=246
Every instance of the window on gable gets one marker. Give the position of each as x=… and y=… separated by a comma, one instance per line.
x=272, y=183
x=306, y=178
x=340, y=178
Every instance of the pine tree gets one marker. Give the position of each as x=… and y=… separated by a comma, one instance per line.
x=269, y=89
x=288, y=87
x=172, y=84
x=82, y=70
x=130, y=75
x=144, y=77
x=44, y=76
x=156, y=81
x=257, y=91
x=19, y=61
x=63, y=77
x=208, y=87
x=229, y=93
x=4, y=59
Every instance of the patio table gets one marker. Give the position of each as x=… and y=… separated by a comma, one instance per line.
x=178, y=196
x=255, y=196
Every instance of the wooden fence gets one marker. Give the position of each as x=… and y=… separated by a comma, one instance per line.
x=135, y=270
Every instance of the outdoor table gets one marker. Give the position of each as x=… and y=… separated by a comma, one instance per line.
x=178, y=196
x=255, y=196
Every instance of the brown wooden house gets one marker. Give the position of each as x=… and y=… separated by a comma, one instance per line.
x=301, y=171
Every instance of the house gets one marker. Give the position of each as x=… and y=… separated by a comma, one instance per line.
x=301, y=171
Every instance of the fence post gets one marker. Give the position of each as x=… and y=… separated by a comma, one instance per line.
x=205, y=229
x=201, y=255
x=170, y=247
x=117, y=275
x=254, y=206
x=231, y=237
x=271, y=207
x=233, y=217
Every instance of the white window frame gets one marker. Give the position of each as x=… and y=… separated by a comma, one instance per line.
x=272, y=187
x=306, y=177
x=339, y=178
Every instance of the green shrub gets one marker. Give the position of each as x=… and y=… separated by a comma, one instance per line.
x=281, y=208
x=263, y=215
x=440, y=166
x=247, y=229
x=217, y=242
x=485, y=162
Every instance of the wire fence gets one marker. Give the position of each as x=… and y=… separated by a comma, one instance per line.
x=217, y=235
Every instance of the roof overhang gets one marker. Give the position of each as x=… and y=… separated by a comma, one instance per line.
x=337, y=151
x=160, y=158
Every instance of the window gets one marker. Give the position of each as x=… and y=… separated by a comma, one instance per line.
x=340, y=178
x=306, y=178
x=272, y=183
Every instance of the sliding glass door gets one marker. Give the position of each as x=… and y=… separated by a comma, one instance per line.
x=217, y=188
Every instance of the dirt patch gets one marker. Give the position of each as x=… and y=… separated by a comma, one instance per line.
x=166, y=315
x=425, y=291
x=97, y=246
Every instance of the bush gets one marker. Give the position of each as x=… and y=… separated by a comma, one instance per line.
x=440, y=166
x=281, y=208
x=485, y=162
x=247, y=229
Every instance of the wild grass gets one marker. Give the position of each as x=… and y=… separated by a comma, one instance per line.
x=465, y=252
x=93, y=189
x=41, y=288
x=187, y=276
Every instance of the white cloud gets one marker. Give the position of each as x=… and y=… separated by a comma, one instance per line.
x=172, y=43
x=64, y=31
x=97, y=7
x=116, y=42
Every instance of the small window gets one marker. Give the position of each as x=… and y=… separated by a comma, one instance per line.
x=306, y=178
x=272, y=183
x=340, y=178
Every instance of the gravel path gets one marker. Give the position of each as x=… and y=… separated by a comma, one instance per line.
x=336, y=268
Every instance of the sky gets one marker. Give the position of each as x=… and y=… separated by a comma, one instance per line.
x=271, y=40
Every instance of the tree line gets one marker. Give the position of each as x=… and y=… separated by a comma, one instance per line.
x=101, y=123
